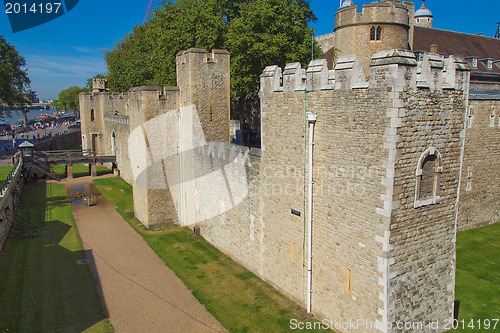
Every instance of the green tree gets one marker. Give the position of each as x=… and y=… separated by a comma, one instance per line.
x=129, y=63
x=55, y=104
x=69, y=99
x=15, y=89
x=267, y=32
x=257, y=33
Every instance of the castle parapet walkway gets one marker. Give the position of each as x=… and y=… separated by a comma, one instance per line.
x=44, y=160
x=71, y=157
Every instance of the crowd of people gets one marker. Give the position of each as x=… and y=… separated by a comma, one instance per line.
x=36, y=132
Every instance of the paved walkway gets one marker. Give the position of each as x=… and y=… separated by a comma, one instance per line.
x=140, y=293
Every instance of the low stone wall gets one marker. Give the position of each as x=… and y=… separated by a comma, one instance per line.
x=60, y=142
x=8, y=203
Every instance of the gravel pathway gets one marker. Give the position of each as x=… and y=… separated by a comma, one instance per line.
x=140, y=293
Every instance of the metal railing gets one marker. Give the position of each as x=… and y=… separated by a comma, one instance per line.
x=18, y=162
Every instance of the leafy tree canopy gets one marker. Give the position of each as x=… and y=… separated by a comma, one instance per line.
x=257, y=33
x=15, y=89
x=68, y=99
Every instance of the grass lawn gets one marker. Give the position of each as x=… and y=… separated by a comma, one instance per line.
x=4, y=172
x=241, y=301
x=42, y=288
x=478, y=276
x=79, y=170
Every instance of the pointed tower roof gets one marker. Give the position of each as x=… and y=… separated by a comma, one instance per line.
x=347, y=3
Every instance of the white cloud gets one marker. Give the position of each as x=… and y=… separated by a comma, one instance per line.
x=64, y=66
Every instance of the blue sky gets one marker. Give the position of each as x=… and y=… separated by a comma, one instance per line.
x=68, y=50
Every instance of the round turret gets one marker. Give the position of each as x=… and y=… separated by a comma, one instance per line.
x=423, y=17
x=379, y=26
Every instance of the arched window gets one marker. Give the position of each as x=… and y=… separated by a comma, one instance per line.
x=92, y=115
x=372, y=33
x=428, y=177
x=379, y=33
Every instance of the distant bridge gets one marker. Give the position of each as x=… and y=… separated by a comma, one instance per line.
x=45, y=106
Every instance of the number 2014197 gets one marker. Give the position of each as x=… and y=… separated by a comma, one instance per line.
x=41, y=8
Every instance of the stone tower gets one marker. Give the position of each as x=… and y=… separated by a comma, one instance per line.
x=423, y=17
x=99, y=85
x=204, y=81
x=380, y=26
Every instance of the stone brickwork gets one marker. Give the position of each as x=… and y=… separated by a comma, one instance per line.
x=480, y=189
x=108, y=120
x=372, y=235
x=389, y=156
x=59, y=142
x=325, y=41
x=203, y=80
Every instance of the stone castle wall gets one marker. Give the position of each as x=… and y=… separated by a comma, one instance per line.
x=109, y=119
x=325, y=41
x=203, y=80
x=386, y=166
x=423, y=236
x=480, y=189
x=59, y=142
x=368, y=141
x=8, y=204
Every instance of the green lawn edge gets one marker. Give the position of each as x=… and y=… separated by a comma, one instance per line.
x=477, y=284
x=42, y=287
x=4, y=172
x=192, y=259
x=240, y=300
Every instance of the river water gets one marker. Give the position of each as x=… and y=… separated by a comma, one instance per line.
x=17, y=116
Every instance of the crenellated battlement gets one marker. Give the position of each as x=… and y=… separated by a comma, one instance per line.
x=383, y=25
x=387, y=69
x=99, y=85
x=387, y=11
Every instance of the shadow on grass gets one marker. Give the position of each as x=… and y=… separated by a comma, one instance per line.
x=44, y=286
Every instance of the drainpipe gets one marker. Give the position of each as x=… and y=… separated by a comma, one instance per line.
x=311, y=119
x=181, y=205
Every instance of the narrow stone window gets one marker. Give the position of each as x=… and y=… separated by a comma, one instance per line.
x=348, y=280
x=92, y=115
x=379, y=33
x=113, y=143
x=372, y=33
x=470, y=117
x=429, y=170
x=210, y=114
x=469, y=179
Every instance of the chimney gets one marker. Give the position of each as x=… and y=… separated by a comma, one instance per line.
x=434, y=48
